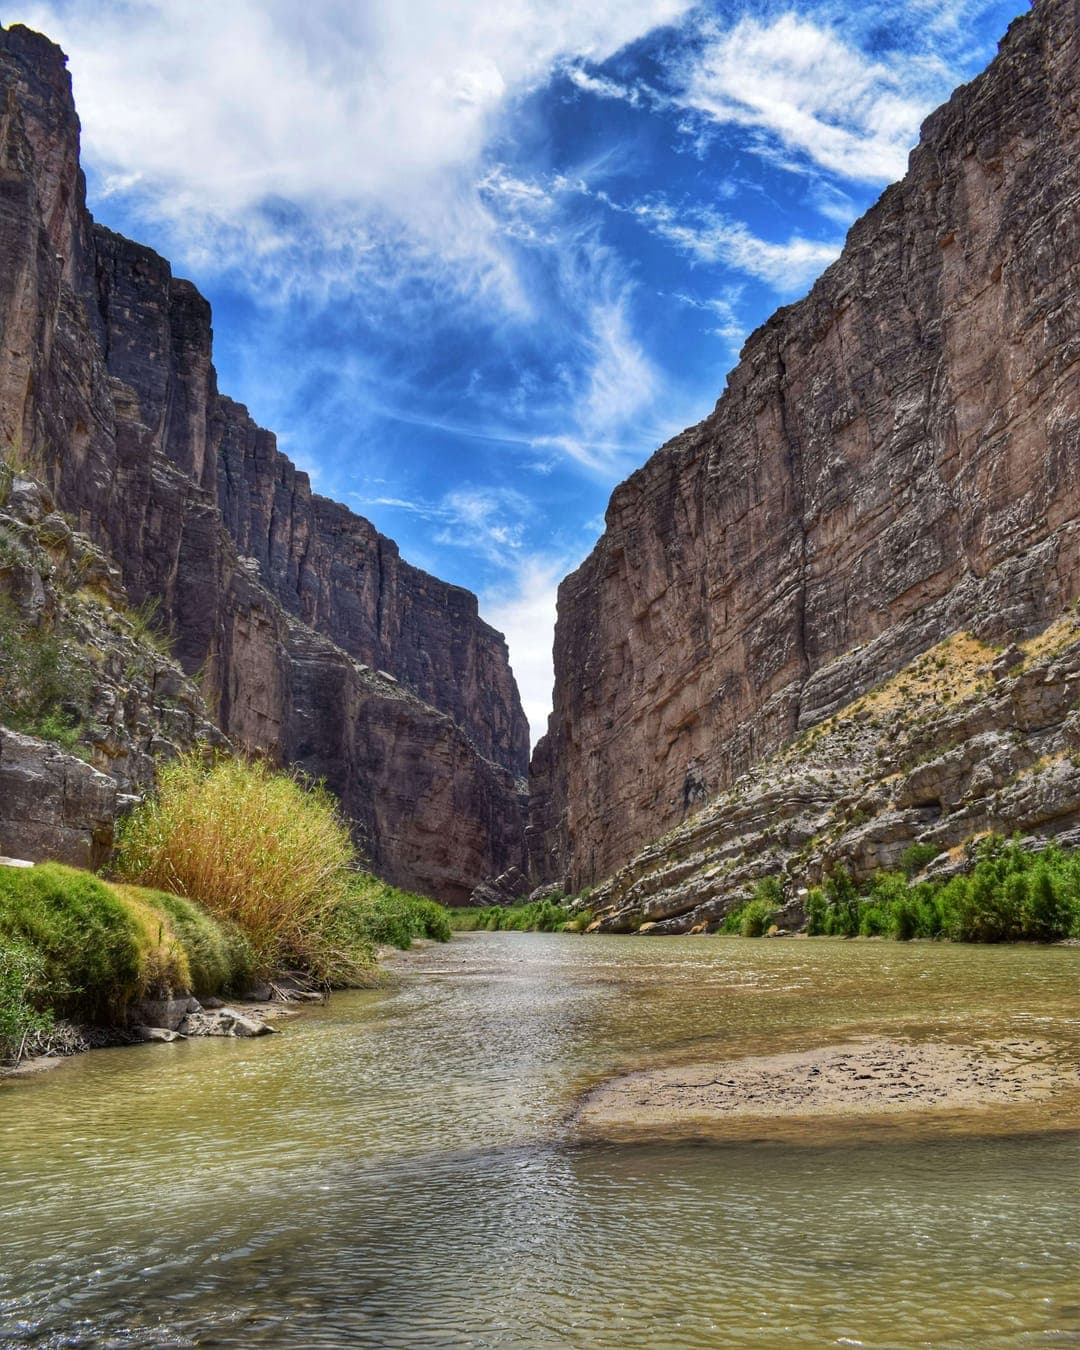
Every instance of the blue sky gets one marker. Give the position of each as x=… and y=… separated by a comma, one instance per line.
x=474, y=262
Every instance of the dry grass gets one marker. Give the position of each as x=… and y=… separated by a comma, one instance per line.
x=953, y=667
x=1054, y=638
x=251, y=845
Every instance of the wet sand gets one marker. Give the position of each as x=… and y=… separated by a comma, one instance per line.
x=858, y=1079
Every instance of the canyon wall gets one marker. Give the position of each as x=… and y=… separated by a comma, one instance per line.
x=895, y=458
x=313, y=640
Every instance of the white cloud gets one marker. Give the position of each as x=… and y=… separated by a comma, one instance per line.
x=723, y=311
x=524, y=610
x=816, y=95
x=709, y=237
x=621, y=380
x=488, y=521
x=368, y=122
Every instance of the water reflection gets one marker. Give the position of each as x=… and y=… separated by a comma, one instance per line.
x=396, y=1171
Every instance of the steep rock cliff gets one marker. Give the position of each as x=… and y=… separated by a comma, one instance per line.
x=895, y=458
x=314, y=641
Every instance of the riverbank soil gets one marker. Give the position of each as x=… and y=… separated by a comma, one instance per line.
x=856, y=1081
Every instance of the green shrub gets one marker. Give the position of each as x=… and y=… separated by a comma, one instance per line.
x=1010, y=894
x=86, y=943
x=22, y=988
x=873, y=920
x=842, y=919
x=256, y=847
x=1046, y=913
x=377, y=914
x=542, y=916
x=817, y=912
x=45, y=681
x=755, y=918
x=916, y=856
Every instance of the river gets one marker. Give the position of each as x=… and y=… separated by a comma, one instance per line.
x=399, y=1168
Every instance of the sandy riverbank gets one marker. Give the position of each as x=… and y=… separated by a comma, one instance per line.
x=857, y=1080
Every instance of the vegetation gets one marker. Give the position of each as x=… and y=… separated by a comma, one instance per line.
x=916, y=856
x=71, y=945
x=22, y=992
x=45, y=683
x=265, y=867
x=542, y=916
x=217, y=954
x=755, y=918
x=259, y=848
x=1010, y=895
x=379, y=915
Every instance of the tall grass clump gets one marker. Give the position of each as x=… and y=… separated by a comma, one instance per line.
x=86, y=948
x=254, y=846
x=76, y=947
x=22, y=987
x=217, y=956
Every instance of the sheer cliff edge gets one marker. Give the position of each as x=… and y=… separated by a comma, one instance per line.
x=314, y=642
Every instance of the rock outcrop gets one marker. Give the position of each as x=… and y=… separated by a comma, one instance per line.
x=896, y=459
x=313, y=640
x=52, y=804
x=963, y=742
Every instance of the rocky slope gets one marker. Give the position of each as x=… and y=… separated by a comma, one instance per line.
x=313, y=641
x=895, y=460
x=79, y=666
x=967, y=739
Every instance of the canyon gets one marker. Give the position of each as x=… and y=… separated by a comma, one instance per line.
x=835, y=618
x=310, y=638
x=894, y=465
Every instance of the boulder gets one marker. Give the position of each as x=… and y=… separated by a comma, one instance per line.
x=224, y=1022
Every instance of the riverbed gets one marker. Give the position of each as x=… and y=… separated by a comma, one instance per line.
x=406, y=1167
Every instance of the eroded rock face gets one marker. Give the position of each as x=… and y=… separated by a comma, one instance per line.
x=896, y=458
x=52, y=804
x=956, y=745
x=314, y=641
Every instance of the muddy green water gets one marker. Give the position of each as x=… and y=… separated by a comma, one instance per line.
x=397, y=1169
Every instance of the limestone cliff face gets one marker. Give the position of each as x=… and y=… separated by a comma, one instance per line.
x=895, y=458
x=315, y=641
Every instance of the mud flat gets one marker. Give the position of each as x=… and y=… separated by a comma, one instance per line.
x=856, y=1080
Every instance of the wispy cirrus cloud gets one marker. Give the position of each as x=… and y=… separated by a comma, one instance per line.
x=709, y=236
x=800, y=83
x=477, y=261
x=486, y=520
x=350, y=132
x=723, y=314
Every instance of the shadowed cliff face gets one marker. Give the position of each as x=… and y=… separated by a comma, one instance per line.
x=316, y=642
x=895, y=458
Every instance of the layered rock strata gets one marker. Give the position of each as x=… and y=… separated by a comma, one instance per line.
x=895, y=459
x=314, y=641
x=966, y=740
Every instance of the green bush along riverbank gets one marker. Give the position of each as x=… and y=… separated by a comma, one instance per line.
x=230, y=875
x=1010, y=895
x=542, y=916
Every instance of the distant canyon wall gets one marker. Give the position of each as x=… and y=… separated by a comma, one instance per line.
x=895, y=458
